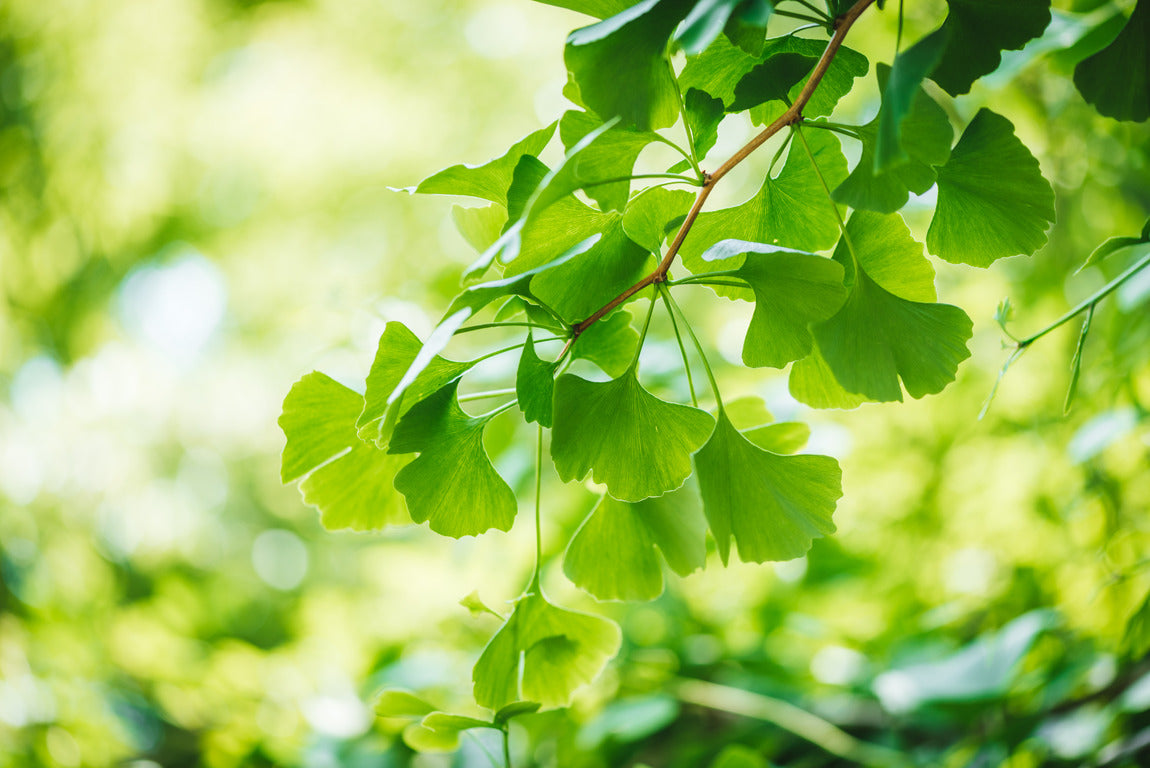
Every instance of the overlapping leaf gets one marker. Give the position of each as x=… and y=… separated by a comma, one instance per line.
x=535, y=386
x=709, y=18
x=812, y=382
x=631, y=441
x=773, y=506
x=600, y=9
x=979, y=31
x=543, y=654
x=612, y=156
x=491, y=180
x=702, y=115
x=1116, y=80
x=655, y=215
x=613, y=556
x=992, y=199
x=452, y=484
x=347, y=479
x=609, y=343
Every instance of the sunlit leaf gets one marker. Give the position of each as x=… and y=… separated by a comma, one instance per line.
x=630, y=440
x=543, y=654
x=347, y=479
x=491, y=180
x=703, y=115
x=535, y=385
x=1116, y=80
x=452, y=484
x=609, y=343
x=771, y=80
x=772, y=505
x=709, y=18
x=1115, y=244
x=515, y=709
x=979, y=31
x=992, y=199
x=600, y=9
x=479, y=227
x=654, y=215
x=902, y=95
x=611, y=156
x=613, y=557
x=400, y=703
x=813, y=383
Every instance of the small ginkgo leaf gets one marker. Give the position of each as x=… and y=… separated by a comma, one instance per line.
x=654, y=215
x=535, y=385
x=702, y=115
x=900, y=95
x=771, y=80
x=613, y=155
x=1115, y=244
x=348, y=480
x=612, y=555
x=476, y=607
x=491, y=180
x=1125, y=96
x=813, y=383
x=543, y=654
x=772, y=505
x=992, y=199
x=609, y=343
x=452, y=485
x=631, y=441
x=479, y=227
x=978, y=32
x=620, y=64
x=396, y=702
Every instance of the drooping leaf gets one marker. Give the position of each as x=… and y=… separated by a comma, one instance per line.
x=396, y=702
x=557, y=650
x=773, y=506
x=1115, y=244
x=978, y=31
x=1116, y=80
x=992, y=199
x=702, y=115
x=609, y=343
x=771, y=80
x=812, y=383
x=348, y=480
x=515, y=709
x=630, y=440
x=1076, y=361
x=621, y=67
x=790, y=210
x=654, y=216
x=491, y=180
x=612, y=156
x=792, y=290
x=709, y=18
x=612, y=555
x=902, y=94
x=535, y=385
x=452, y=484
x=924, y=135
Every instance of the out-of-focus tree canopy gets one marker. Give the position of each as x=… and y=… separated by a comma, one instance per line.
x=195, y=207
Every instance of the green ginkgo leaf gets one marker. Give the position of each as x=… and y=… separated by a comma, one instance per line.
x=790, y=210
x=771, y=80
x=613, y=557
x=792, y=290
x=491, y=180
x=452, y=485
x=479, y=227
x=773, y=506
x=621, y=67
x=992, y=199
x=600, y=9
x=813, y=383
x=543, y=654
x=901, y=93
x=535, y=385
x=347, y=479
x=709, y=18
x=396, y=702
x=612, y=156
x=631, y=441
x=1113, y=245
x=610, y=343
x=655, y=214
x=1124, y=96
x=702, y=115
x=978, y=31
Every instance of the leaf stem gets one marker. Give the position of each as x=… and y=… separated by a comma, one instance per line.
x=488, y=326
x=698, y=348
x=643, y=335
x=538, y=517
x=485, y=395
x=616, y=179
x=817, y=11
x=711, y=281
x=803, y=17
x=663, y=291
x=693, y=158
x=507, y=746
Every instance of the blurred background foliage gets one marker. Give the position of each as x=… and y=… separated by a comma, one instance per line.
x=194, y=211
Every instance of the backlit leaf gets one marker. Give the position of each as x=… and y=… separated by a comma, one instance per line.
x=655, y=215
x=703, y=115
x=978, y=31
x=600, y=9
x=1115, y=244
x=902, y=94
x=491, y=180
x=611, y=156
x=396, y=702
x=771, y=80
x=710, y=17
x=811, y=382
x=535, y=385
x=1116, y=80
x=609, y=343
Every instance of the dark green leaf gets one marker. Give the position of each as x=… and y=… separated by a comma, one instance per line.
x=771, y=80
x=491, y=180
x=543, y=654
x=611, y=156
x=710, y=17
x=1136, y=638
x=609, y=343
x=452, y=483
x=633, y=442
x=535, y=386
x=703, y=115
x=621, y=64
x=992, y=199
x=902, y=94
x=612, y=555
x=978, y=31
x=348, y=480
x=654, y=215
x=772, y=505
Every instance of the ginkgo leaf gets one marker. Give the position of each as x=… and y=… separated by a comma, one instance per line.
x=709, y=18
x=702, y=115
x=1115, y=244
x=812, y=383
x=631, y=441
x=452, y=484
x=396, y=702
x=397, y=351
x=992, y=199
x=890, y=255
x=621, y=67
x=543, y=654
x=792, y=290
x=654, y=215
x=902, y=93
x=780, y=437
x=348, y=480
x=610, y=343
x=440, y=731
x=1116, y=80
x=611, y=156
x=491, y=180
x=773, y=506
x=479, y=227
x=978, y=32
x=600, y=9
x=771, y=80
x=613, y=557
x=790, y=210
x=535, y=385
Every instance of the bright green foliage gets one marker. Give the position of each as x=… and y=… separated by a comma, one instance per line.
x=396, y=702
x=791, y=210
x=992, y=199
x=610, y=344
x=348, y=480
x=1125, y=96
x=738, y=756
x=612, y=555
x=440, y=731
x=979, y=31
x=491, y=180
x=812, y=382
x=703, y=115
x=772, y=505
x=612, y=156
x=1115, y=244
x=792, y=290
x=600, y=9
x=621, y=67
x=452, y=484
x=901, y=95
x=655, y=214
x=535, y=385
x=543, y=654
x=1136, y=638
x=710, y=17
x=479, y=227
x=631, y=441
x=922, y=133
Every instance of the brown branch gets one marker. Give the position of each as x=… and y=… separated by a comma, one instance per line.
x=794, y=114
